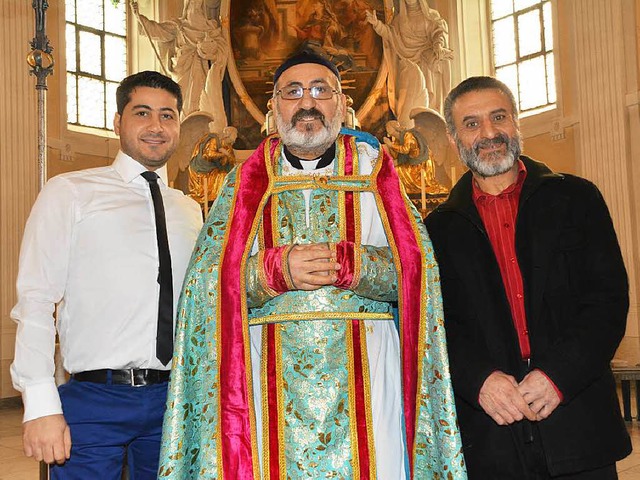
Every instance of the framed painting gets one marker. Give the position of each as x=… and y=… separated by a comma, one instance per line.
x=262, y=33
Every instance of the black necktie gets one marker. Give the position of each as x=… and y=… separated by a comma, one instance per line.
x=164, y=338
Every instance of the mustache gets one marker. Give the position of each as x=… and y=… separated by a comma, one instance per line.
x=489, y=142
x=307, y=113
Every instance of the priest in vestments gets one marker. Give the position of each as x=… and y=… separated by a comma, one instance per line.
x=310, y=339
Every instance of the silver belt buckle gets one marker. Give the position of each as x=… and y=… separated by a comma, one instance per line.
x=133, y=379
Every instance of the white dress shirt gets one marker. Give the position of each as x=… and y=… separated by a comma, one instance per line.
x=90, y=248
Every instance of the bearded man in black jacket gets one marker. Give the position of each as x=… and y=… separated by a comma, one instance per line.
x=536, y=299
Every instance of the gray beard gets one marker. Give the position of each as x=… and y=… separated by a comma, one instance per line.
x=307, y=142
x=493, y=164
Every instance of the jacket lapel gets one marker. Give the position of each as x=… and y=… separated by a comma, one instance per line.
x=537, y=232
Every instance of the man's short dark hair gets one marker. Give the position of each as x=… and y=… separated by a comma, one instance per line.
x=147, y=78
x=473, y=84
x=305, y=56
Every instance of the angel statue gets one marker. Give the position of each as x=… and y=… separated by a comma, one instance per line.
x=211, y=160
x=415, y=166
x=414, y=161
x=194, y=51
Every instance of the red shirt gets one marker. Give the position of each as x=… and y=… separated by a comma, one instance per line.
x=498, y=213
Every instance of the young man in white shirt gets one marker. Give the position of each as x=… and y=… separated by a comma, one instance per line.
x=91, y=250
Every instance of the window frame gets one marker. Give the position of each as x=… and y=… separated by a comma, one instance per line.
x=536, y=120
x=107, y=131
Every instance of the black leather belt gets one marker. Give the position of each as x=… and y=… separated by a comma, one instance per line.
x=136, y=377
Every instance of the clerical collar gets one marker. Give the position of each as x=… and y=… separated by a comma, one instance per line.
x=325, y=159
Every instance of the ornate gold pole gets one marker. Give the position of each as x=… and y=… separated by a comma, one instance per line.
x=41, y=62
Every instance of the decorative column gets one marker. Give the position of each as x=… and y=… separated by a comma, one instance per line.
x=18, y=162
x=604, y=62
x=470, y=38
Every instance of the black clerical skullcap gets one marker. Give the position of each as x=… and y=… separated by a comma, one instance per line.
x=305, y=56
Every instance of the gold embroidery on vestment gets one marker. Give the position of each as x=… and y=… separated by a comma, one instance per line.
x=319, y=316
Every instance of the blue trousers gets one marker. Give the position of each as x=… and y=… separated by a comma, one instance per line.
x=107, y=422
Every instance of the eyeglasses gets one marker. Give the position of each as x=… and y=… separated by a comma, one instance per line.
x=317, y=92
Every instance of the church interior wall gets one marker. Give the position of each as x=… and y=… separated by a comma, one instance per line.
x=631, y=18
x=18, y=164
x=556, y=151
x=556, y=137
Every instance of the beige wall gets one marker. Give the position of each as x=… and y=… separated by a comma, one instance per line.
x=559, y=154
x=18, y=162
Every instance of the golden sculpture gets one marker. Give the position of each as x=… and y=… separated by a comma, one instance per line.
x=414, y=160
x=211, y=160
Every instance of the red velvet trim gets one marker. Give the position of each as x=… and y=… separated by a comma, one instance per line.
x=345, y=256
x=410, y=257
x=345, y=251
x=350, y=216
x=361, y=404
x=272, y=384
x=235, y=427
x=273, y=269
x=266, y=224
x=348, y=196
x=348, y=143
x=272, y=400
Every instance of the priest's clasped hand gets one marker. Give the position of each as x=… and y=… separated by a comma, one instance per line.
x=312, y=266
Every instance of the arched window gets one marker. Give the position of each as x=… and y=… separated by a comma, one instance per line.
x=96, y=53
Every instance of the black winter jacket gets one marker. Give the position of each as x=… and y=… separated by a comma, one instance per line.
x=576, y=303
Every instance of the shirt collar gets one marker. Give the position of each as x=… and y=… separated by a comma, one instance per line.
x=516, y=186
x=324, y=160
x=130, y=169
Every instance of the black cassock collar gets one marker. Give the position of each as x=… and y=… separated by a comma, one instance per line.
x=325, y=159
